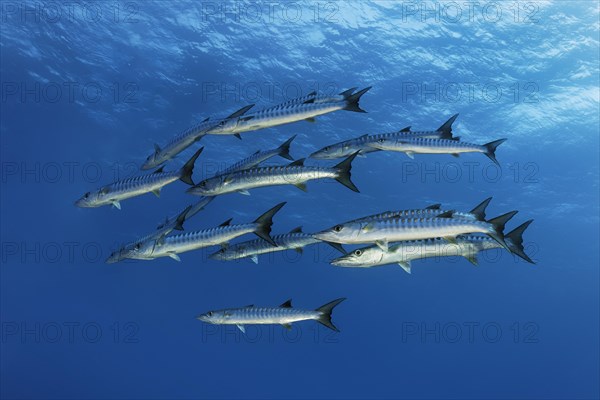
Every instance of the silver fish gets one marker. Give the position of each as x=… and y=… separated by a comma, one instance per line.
x=184, y=140
x=383, y=231
x=129, y=250
x=435, y=210
x=362, y=143
x=295, y=239
x=283, y=150
x=437, y=146
x=402, y=253
x=314, y=97
x=131, y=187
x=286, y=114
x=296, y=174
x=283, y=315
x=171, y=246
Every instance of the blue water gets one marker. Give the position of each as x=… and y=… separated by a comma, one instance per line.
x=140, y=72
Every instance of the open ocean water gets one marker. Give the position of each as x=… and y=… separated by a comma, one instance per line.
x=89, y=87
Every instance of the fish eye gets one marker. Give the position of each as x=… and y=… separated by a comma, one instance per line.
x=203, y=183
x=337, y=228
x=138, y=246
x=327, y=148
x=357, y=252
x=86, y=195
x=221, y=123
x=210, y=313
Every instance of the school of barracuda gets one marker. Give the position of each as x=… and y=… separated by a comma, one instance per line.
x=389, y=237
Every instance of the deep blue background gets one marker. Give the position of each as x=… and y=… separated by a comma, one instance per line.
x=532, y=78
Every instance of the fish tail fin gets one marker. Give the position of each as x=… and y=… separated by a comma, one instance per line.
x=181, y=219
x=325, y=310
x=344, y=175
x=479, y=210
x=352, y=101
x=498, y=223
x=491, y=149
x=264, y=223
x=515, y=242
x=188, y=168
x=284, y=149
x=446, y=128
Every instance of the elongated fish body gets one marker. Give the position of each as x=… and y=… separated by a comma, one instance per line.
x=383, y=231
x=132, y=187
x=170, y=246
x=363, y=143
x=178, y=144
x=260, y=156
x=131, y=250
x=296, y=174
x=199, y=239
x=476, y=214
x=436, y=146
x=187, y=138
x=283, y=315
x=260, y=177
x=286, y=114
x=314, y=97
x=403, y=253
x=253, y=248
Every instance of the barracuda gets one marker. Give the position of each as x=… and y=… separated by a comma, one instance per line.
x=130, y=250
x=171, y=246
x=437, y=146
x=286, y=114
x=131, y=187
x=403, y=253
x=477, y=213
x=296, y=174
x=283, y=151
x=185, y=139
x=314, y=97
x=362, y=144
x=383, y=231
x=295, y=239
x=283, y=315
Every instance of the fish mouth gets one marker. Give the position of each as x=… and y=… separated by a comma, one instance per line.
x=198, y=191
x=112, y=259
x=81, y=203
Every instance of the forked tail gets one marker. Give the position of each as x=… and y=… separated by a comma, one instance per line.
x=325, y=310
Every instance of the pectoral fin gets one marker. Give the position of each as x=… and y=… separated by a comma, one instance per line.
x=472, y=258
x=410, y=155
x=382, y=244
x=237, y=135
x=287, y=326
x=301, y=186
x=311, y=119
x=450, y=239
x=241, y=328
x=244, y=192
x=116, y=204
x=254, y=259
x=156, y=192
x=405, y=266
x=174, y=256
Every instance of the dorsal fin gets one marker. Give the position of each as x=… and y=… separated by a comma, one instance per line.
x=287, y=304
x=436, y=206
x=226, y=223
x=348, y=92
x=159, y=170
x=241, y=111
x=447, y=214
x=256, y=152
x=309, y=101
x=313, y=93
x=249, y=306
x=296, y=230
x=407, y=129
x=206, y=119
x=156, y=148
x=298, y=163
